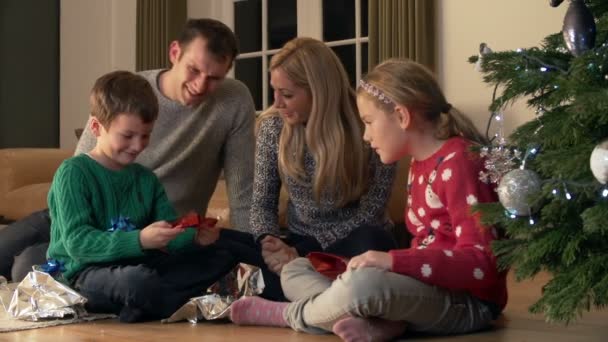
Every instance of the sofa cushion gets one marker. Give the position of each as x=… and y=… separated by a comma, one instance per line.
x=23, y=201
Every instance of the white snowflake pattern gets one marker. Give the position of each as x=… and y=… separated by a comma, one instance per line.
x=426, y=270
x=421, y=247
x=446, y=174
x=419, y=229
x=421, y=179
x=448, y=253
x=480, y=247
x=435, y=224
x=458, y=230
x=478, y=274
x=471, y=199
x=449, y=156
x=421, y=212
x=409, y=200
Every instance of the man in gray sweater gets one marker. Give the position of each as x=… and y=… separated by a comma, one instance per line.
x=205, y=125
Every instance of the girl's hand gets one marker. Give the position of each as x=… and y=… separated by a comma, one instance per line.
x=277, y=253
x=381, y=260
x=206, y=236
x=158, y=235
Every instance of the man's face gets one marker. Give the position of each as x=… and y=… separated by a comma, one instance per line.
x=196, y=72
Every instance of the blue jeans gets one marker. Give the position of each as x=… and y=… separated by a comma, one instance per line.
x=153, y=287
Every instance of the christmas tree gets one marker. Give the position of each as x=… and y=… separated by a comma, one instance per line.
x=551, y=172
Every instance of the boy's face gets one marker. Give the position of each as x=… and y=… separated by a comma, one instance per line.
x=196, y=72
x=124, y=139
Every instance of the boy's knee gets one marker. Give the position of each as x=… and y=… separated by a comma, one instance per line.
x=34, y=255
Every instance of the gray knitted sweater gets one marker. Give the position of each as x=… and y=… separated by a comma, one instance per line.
x=190, y=146
x=323, y=221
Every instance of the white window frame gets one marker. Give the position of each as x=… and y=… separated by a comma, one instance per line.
x=310, y=24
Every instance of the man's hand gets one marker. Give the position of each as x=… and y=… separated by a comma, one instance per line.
x=381, y=260
x=207, y=235
x=158, y=235
x=277, y=253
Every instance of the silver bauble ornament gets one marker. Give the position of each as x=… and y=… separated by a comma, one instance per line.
x=579, y=28
x=515, y=189
x=599, y=162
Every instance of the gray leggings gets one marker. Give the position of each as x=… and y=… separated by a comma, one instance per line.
x=318, y=303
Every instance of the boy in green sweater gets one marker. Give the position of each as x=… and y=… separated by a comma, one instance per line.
x=111, y=226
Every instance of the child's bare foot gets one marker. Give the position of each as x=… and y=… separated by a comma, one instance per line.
x=356, y=329
x=258, y=311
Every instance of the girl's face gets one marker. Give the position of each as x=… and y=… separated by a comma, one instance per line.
x=384, y=131
x=293, y=102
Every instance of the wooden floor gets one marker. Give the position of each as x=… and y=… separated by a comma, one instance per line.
x=515, y=325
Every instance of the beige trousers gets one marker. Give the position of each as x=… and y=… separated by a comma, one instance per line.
x=318, y=302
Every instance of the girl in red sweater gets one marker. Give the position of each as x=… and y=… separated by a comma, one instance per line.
x=447, y=282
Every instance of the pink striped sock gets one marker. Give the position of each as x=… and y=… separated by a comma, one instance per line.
x=258, y=311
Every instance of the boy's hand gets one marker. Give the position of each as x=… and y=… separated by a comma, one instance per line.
x=158, y=235
x=377, y=259
x=207, y=235
x=277, y=253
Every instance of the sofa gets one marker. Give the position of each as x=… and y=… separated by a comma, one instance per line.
x=26, y=174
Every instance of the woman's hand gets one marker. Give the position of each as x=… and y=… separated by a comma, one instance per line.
x=158, y=235
x=277, y=253
x=381, y=260
x=206, y=236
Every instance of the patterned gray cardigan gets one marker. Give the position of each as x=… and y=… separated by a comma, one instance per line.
x=305, y=216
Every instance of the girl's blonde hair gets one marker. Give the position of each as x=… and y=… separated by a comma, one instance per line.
x=405, y=82
x=333, y=133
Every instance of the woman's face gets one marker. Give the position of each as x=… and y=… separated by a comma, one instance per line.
x=383, y=131
x=293, y=102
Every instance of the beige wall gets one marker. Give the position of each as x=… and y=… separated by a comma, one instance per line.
x=503, y=25
x=99, y=36
x=96, y=37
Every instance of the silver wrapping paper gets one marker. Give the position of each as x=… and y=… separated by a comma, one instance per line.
x=243, y=280
x=39, y=296
x=5, y=294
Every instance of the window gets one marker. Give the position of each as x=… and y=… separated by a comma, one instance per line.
x=263, y=26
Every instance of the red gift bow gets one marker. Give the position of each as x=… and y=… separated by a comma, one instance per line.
x=329, y=265
x=195, y=220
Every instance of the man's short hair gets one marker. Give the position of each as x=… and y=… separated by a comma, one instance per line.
x=221, y=41
x=123, y=92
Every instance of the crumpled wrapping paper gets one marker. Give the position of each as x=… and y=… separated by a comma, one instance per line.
x=243, y=280
x=5, y=293
x=39, y=296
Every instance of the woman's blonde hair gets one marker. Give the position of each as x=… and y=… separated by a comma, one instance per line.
x=333, y=132
x=412, y=85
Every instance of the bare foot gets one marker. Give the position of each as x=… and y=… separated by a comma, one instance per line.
x=357, y=329
x=258, y=311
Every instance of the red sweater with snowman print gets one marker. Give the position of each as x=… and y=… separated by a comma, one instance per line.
x=450, y=248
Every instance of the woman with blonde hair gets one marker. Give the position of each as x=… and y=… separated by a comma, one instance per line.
x=447, y=281
x=311, y=142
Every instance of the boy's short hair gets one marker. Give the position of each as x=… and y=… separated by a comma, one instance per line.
x=221, y=41
x=121, y=92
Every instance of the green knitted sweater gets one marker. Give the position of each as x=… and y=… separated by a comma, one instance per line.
x=85, y=200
